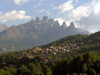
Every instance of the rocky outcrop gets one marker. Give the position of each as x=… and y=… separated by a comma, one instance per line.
x=45, y=18
x=72, y=25
x=64, y=25
x=37, y=19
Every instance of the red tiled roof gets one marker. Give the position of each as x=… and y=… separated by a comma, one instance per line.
x=24, y=52
x=46, y=60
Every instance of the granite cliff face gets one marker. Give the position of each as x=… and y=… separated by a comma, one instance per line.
x=64, y=25
x=34, y=33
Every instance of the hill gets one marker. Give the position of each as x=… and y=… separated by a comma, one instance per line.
x=34, y=33
x=73, y=45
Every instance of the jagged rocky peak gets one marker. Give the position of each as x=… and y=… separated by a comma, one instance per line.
x=32, y=20
x=45, y=18
x=37, y=19
x=72, y=25
x=56, y=23
x=64, y=25
x=51, y=20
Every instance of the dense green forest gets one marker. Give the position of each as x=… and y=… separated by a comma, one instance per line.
x=72, y=55
x=84, y=64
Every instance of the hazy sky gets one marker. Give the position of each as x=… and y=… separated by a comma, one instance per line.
x=85, y=13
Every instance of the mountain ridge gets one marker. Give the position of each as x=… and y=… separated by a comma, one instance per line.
x=36, y=32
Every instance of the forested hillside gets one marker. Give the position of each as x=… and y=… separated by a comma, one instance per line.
x=85, y=64
x=72, y=55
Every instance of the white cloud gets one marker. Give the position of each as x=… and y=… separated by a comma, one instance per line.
x=97, y=7
x=60, y=20
x=91, y=21
x=67, y=6
x=39, y=4
x=14, y=15
x=42, y=10
x=81, y=11
x=68, y=22
x=46, y=11
x=18, y=2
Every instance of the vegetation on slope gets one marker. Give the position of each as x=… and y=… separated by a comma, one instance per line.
x=80, y=56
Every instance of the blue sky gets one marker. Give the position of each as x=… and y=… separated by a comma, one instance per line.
x=84, y=13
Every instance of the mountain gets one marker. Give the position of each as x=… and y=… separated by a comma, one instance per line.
x=35, y=32
x=64, y=25
x=2, y=27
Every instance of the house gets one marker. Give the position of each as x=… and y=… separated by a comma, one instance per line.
x=35, y=50
x=64, y=47
x=39, y=49
x=67, y=50
x=54, y=53
x=74, y=44
x=55, y=47
x=51, y=47
x=46, y=61
x=24, y=53
x=47, y=49
x=56, y=50
x=59, y=47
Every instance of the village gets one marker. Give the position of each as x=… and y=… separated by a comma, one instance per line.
x=53, y=50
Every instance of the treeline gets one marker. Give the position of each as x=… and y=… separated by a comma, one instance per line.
x=77, y=39
x=85, y=64
x=92, y=39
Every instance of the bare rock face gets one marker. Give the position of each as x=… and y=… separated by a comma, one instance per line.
x=72, y=25
x=37, y=19
x=2, y=27
x=56, y=23
x=51, y=20
x=45, y=18
x=64, y=25
x=32, y=21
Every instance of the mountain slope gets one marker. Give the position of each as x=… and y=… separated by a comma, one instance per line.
x=78, y=44
x=36, y=32
x=2, y=27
